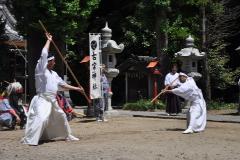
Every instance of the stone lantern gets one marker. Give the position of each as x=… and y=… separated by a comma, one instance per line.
x=189, y=57
x=109, y=49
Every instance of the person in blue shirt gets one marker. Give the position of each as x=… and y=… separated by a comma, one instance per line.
x=7, y=113
x=101, y=104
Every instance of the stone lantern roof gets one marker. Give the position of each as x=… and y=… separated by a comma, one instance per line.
x=190, y=41
x=190, y=51
x=106, y=29
x=108, y=45
x=106, y=32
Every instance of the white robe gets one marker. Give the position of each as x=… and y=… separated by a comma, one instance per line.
x=197, y=117
x=170, y=77
x=46, y=120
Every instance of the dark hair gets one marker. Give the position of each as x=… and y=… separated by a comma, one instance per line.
x=50, y=54
x=174, y=65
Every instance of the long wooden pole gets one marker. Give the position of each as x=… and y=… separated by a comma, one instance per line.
x=163, y=90
x=65, y=62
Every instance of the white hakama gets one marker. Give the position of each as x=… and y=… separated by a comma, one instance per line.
x=46, y=120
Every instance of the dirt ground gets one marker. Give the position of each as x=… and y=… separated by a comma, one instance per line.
x=130, y=138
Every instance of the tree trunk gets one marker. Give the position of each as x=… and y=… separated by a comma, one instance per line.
x=161, y=39
x=206, y=76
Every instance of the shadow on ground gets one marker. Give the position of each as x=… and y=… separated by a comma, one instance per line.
x=175, y=129
x=231, y=114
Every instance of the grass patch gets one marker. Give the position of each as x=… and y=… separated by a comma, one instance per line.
x=143, y=105
x=217, y=105
x=146, y=105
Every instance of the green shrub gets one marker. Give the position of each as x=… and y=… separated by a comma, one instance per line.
x=221, y=105
x=143, y=105
x=146, y=105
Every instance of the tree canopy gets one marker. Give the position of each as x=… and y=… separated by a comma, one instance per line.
x=146, y=27
x=68, y=18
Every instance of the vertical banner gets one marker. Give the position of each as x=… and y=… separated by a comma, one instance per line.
x=95, y=59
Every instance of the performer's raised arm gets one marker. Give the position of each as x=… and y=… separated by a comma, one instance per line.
x=43, y=61
x=49, y=39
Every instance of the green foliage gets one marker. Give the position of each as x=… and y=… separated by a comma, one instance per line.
x=162, y=3
x=217, y=8
x=183, y=18
x=143, y=105
x=218, y=105
x=66, y=18
x=198, y=2
x=70, y=55
x=179, y=23
x=177, y=30
x=140, y=29
x=221, y=76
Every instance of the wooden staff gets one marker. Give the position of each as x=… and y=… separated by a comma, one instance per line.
x=65, y=62
x=78, y=113
x=163, y=90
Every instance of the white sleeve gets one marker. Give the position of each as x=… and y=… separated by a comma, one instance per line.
x=239, y=82
x=178, y=83
x=184, y=91
x=60, y=81
x=166, y=81
x=42, y=62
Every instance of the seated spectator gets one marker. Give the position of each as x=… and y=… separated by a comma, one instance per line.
x=66, y=107
x=7, y=113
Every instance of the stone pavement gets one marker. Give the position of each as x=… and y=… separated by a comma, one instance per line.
x=226, y=118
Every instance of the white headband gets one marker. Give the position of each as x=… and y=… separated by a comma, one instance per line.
x=50, y=58
x=182, y=74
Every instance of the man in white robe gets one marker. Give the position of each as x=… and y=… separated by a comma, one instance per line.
x=46, y=120
x=196, y=117
x=173, y=101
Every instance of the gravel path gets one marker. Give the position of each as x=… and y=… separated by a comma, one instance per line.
x=130, y=138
